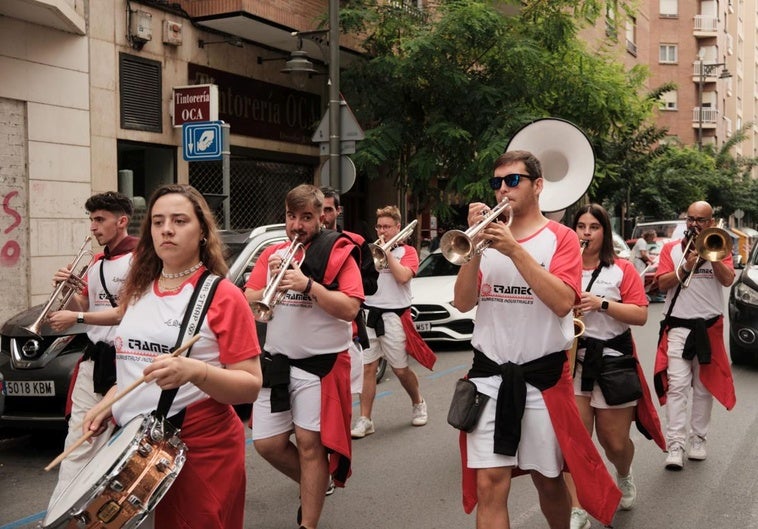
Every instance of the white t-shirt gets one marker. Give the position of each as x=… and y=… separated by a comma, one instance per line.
x=618, y=282
x=639, y=247
x=704, y=298
x=389, y=293
x=115, y=271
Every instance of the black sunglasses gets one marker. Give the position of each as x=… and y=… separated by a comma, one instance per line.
x=511, y=180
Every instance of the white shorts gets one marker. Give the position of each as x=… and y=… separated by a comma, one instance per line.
x=538, y=449
x=356, y=367
x=597, y=400
x=305, y=412
x=390, y=346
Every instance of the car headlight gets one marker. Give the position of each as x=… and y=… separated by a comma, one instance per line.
x=745, y=294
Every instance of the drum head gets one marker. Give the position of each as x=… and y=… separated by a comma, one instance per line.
x=89, y=478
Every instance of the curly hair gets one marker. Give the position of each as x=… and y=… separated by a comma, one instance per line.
x=607, y=255
x=389, y=211
x=112, y=201
x=146, y=266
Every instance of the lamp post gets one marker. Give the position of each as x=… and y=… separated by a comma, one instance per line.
x=705, y=70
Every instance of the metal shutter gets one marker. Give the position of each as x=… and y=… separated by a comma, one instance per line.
x=140, y=92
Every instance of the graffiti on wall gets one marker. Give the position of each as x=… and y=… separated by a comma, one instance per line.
x=10, y=252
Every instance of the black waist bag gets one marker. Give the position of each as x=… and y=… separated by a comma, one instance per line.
x=104, y=369
x=467, y=406
x=618, y=380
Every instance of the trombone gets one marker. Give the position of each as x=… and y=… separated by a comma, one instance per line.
x=379, y=249
x=63, y=292
x=263, y=309
x=712, y=244
x=458, y=246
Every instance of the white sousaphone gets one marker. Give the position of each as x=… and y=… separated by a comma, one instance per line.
x=568, y=162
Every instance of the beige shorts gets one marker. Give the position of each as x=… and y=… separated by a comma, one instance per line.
x=390, y=346
x=305, y=412
x=538, y=449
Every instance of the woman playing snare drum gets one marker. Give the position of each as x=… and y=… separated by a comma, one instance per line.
x=613, y=299
x=179, y=241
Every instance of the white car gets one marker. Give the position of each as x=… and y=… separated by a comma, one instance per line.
x=436, y=319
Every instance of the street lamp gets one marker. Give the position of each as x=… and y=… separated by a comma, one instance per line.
x=705, y=70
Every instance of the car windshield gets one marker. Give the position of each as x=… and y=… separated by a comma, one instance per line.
x=435, y=264
x=669, y=229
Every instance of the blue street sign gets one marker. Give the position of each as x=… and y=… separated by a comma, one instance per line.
x=202, y=141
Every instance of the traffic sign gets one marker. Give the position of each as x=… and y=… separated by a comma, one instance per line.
x=203, y=141
x=349, y=127
x=347, y=174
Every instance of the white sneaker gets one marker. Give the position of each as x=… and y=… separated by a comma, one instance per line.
x=628, y=491
x=362, y=428
x=579, y=519
x=697, y=449
x=675, y=458
x=420, y=416
x=330, y=488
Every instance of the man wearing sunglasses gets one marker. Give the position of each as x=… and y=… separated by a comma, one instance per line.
x=525, y=284
x=691, y=356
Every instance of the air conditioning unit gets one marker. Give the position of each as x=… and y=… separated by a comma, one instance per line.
x=141, y=26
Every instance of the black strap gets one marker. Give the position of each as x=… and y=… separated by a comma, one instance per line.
x=110, y=296
x=595, y=273
x=191, y=323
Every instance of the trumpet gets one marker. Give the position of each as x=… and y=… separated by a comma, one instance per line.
x=63, y=292
x=712, y=244
x=379, y=249
x=263, y=309
x=578, y=323
x=458, y=246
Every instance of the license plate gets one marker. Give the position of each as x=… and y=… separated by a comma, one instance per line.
x=30, y=388
x=423, y=326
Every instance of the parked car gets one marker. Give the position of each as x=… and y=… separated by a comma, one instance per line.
x=620, y=248
x=435, y=316
x=37, y=370
x=743, y=314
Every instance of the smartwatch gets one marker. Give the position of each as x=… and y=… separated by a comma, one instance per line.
x=604, y=305
x=80, y=318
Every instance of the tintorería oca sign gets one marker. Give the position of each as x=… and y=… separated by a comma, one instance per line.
x=194, y=103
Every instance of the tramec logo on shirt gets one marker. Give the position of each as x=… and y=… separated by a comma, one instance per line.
x=506, y=293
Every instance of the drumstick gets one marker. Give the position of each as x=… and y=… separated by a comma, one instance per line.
x=63, y=455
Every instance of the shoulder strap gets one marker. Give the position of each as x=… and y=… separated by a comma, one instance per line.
x=194, y=314
x=108, y=295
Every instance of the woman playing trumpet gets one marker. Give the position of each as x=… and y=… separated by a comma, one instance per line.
x=612, y=300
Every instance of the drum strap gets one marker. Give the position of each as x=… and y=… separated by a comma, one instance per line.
x=193, y=318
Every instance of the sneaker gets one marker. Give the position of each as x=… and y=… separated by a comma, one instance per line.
x=628, y=491
x=579, y=519
x=420, y=416
x=675, y=458
x=362, y=428
x=697, y=449
x=331, y=487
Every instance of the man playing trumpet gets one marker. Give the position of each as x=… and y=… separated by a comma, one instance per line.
x=306, y=364
x=525, y=284
x=691, y=355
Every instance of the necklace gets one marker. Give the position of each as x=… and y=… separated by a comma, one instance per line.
x=183, y=273
x=164, y=288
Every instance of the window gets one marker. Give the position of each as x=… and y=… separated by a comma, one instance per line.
x=610, y=20
x=669, y=8
x=140, y=93
x=668, y=101
x=667, y=54
x=631, y=39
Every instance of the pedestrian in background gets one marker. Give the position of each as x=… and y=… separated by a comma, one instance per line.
x=640, y=256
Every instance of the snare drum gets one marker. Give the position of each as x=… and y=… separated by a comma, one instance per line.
x=124, y=482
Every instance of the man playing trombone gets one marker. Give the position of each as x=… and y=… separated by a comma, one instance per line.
x=306, y=364
x=109, y=215
x=691, y=352
x=525, y=281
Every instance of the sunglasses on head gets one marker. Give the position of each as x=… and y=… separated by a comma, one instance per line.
x=511, y=180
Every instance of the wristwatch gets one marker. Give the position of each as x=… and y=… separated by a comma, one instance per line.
x=604, y=305
x=80, y=318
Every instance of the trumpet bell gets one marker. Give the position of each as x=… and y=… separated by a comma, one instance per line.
x=566, y=156
x=457, y=247
x=713, y=244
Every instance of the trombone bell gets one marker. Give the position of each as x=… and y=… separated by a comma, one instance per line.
x=713, y=244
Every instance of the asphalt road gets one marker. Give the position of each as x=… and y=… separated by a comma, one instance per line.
x=408, y=477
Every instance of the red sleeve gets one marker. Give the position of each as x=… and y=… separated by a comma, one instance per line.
x=665, y=263
x=349, y=280
x=632, y=289
x=259, y=276
x=231, y=320
x=566, y=263
x=410, y=258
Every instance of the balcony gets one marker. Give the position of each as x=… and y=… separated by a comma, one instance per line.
x=707, y=116
x=705, y=26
